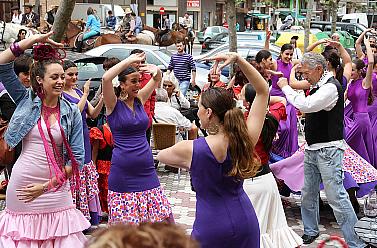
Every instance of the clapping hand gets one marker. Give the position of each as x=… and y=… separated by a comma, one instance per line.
x=151, y=69
x=86, y=88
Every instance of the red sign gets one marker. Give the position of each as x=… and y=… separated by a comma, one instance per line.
x=193, y=3
x=162, y=10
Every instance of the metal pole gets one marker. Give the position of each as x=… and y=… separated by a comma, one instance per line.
x=160, y=21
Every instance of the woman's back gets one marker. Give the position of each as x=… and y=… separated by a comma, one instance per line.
x=222, y=203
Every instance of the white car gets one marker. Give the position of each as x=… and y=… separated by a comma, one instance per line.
x=155, y=55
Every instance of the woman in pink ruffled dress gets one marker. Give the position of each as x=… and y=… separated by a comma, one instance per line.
x=39, y=209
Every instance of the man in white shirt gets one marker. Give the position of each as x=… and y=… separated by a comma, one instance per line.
x=164, y=112
x=323, y=109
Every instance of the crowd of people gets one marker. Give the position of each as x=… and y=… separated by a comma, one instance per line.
x=68, y=177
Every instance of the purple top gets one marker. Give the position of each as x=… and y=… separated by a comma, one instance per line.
x=286, y=70
x=87, y=146
x=221, y=203
x=374, y=84
x=358, y=96
x=132, y=166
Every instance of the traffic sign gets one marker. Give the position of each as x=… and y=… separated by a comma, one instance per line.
x=162, y=10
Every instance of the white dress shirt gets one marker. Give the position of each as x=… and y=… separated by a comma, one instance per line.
x=165, y=113
x=324, y=98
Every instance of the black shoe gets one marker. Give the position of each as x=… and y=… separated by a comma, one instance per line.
x=309, y=239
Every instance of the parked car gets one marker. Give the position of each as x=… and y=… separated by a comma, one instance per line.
x=354, y=29
x=154, y=54
x=244, y=49
x=223, y=38
x=209, y=32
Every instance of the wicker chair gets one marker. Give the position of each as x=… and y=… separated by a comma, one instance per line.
x=164, y=136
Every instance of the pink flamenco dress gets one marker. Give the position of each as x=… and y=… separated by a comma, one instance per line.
x=50, y=220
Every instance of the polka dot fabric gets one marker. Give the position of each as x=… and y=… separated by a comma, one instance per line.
x=137, y=207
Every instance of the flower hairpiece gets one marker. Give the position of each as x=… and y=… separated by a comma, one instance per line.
x=45, y=52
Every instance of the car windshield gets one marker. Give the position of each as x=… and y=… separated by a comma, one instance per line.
x=164, y=54
x=89, y=70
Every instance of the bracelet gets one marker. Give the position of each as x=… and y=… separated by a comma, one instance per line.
x=16, y=49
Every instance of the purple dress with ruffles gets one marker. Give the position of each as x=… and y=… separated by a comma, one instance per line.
x=86, y=197
x=135, y=194
x=358, y=130
x=287, y=144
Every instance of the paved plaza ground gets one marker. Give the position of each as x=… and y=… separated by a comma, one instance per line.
x=183, y=201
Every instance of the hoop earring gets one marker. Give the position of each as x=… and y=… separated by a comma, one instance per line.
x=123, y=95
x=213, y=129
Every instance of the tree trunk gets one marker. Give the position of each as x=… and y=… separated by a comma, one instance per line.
x=231, y=19
x=334, y=14
x=63, y=17
x=182, y=9
x=309, y=10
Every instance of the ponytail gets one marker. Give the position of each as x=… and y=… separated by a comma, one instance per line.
x=245, y=161
x=270, y=127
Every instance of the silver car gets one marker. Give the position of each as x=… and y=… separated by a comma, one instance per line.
x=209, y=32
x=154, y=54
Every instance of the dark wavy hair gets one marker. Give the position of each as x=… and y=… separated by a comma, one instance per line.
x=332, y=56
x=360, y=66
x=122, y=77
x=44, y=55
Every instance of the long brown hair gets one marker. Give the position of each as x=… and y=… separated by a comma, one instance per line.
x=245, y=162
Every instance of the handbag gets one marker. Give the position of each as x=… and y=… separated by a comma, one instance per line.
x=188, y=113
x=7, y=156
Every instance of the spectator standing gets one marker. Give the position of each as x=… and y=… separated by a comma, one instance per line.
x=16, y=15
x=21, y=67
x=30, y=19
x=50, y=16
x=183, y=65
x=111, y=20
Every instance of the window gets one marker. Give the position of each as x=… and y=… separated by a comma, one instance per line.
x=152, y=59
x=119, y=53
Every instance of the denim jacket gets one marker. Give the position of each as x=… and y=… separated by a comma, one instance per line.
x=28, y=112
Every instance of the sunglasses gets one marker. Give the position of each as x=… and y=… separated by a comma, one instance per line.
x=167, y=85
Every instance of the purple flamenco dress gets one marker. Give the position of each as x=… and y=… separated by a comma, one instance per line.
x=86, y=197
x=372, y=111
x=135, y=194
x=358, y=173
x=287, y=144
x=225, y=216
x=358, y=130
